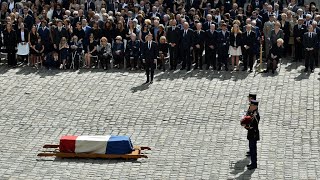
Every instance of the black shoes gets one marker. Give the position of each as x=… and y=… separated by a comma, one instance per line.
x=251, y=167
x=146, y=82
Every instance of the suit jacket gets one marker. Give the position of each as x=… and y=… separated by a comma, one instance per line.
x=310, y=42
x=249, y=40
x=44, y=34
x=149, y=54
x=186, y=41
x=133, y=48
x=274, y=37
x=235, y=41
x=173, y=36
x=57, y=15
x=91, y=5
x=59, y=34
x=10, y=40
x=206, y=25
x=211, y=38
x=28, y=21
x=223, y=41
x=299, y=32
x=26, y=36
x=199, y=39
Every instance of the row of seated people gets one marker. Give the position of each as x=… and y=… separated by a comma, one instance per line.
x=100, y=54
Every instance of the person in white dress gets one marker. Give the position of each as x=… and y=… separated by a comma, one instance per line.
x=235, y=45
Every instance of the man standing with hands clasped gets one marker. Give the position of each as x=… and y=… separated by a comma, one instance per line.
x=149, y=57
x=310, y=41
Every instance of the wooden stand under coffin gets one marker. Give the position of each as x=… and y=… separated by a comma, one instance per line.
x=53, y=150
x=107, y=147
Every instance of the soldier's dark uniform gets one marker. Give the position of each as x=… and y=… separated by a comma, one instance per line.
x=253, y=134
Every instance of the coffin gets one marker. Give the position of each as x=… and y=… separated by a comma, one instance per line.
x=96, y=144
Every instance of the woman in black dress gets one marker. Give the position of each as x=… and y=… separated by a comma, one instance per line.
x=33, y=39
x=96, y=31
x=108, y=31
x=275, y=54
x=143, y=33
x=10, y=42
x=92, y=51
x=163, y=51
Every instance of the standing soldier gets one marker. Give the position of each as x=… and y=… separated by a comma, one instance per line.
x=199, y=38
x=211, y=47
x=298, y=31
x=223, y=42
x=253, y=133
x=268, y=26
x=173, y=37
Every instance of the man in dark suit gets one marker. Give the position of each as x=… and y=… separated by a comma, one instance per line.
x=173, y=37
x=207, y=24
x=57, y=13
x=149, y=57
x=223, y=43
x=211, y=47
x=28, y=19
x=249, y=39
x=298, y=31
x=44, y=33
x=89, y=5
x=199, y=38
x=59, y=32
x=310, y=41
x=186, y=46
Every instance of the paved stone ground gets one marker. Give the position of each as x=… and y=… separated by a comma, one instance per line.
x=191, y=120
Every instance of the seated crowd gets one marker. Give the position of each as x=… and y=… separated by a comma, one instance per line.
x=106, y=33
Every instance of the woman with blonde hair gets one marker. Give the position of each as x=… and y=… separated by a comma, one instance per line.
x=163, y=48
x=64, y=52
x=105, y=53
x=235, y=45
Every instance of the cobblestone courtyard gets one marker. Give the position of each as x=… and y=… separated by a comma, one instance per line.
x=190, y=120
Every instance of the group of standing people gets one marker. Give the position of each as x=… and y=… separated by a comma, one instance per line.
x=98, y=33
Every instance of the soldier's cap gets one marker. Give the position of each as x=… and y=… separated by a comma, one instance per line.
x=252, y=96
x=254, y=102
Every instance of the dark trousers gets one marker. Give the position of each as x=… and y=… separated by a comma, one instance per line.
x=185, y=56
x=150, y=66
x=105, y=61
x=211, y=58
x=118, y=59
x=223, y=59
x=309, y=60
x=12, y=61
x=24, y=58
x=247, y=57
x=198, y=57
x=253, y=152
x=173, y=56
x=298, y=51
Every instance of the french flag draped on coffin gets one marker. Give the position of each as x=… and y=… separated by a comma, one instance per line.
x=96, y=144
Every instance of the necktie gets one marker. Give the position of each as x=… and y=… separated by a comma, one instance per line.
x=310, y=35
x=198, y=32
x=149, y=46
x=185, y=32
x=248, y=33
